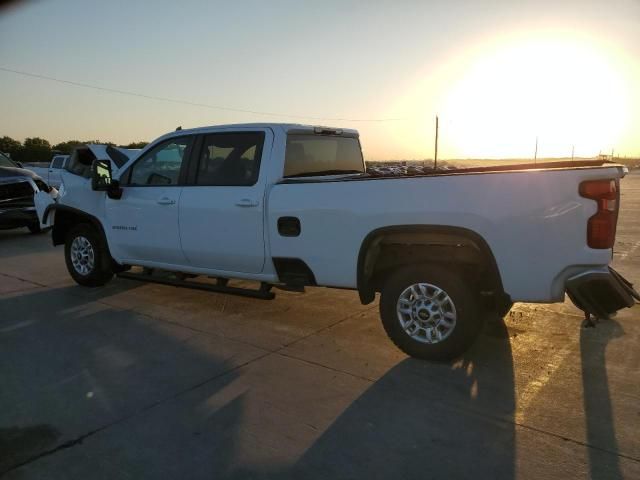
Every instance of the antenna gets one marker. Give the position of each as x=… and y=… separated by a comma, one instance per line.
x=535, y=155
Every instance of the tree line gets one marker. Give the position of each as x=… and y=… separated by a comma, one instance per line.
x=36, y=149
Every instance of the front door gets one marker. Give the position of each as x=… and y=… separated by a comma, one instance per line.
x=143, y=224
x=221, y=209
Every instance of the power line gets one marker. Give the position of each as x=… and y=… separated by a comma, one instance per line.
x=193, y=104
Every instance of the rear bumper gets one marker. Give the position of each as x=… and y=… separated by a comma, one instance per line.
x=601, y=292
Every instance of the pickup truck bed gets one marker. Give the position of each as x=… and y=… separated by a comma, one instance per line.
x=530, y=220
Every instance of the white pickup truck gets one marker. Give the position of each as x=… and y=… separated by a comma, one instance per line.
x=295, y=206
x=51, y=174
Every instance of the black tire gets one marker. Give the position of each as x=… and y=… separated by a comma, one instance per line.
x=34, y=228
x=101, y=272
x=468, y=322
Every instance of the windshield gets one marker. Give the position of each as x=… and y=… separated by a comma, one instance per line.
x=308, y=155
x=6, y=161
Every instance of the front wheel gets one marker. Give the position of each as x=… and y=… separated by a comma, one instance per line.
x=87, y=258
x=429, y=312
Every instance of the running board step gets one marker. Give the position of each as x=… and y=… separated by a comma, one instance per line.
x=263, y=293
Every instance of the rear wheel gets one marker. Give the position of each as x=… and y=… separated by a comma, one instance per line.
x=87, y=258
x=429, y=312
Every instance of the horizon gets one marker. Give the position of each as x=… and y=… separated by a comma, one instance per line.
x=498, y=75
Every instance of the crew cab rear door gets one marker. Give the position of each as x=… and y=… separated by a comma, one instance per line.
x=221, y=208
x=143, y=224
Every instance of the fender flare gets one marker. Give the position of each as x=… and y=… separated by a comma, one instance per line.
x=366, y=290
x=57, y=240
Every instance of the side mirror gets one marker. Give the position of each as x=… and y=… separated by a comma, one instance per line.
x=102, y=179
x=20, y=164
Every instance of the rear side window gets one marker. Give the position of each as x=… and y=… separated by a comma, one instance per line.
x=230, y=159
x=57, y=162
x=162, y=164
x=322, y=155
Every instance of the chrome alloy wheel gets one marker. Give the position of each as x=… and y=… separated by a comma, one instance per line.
x=426, y=313
x=82, y=256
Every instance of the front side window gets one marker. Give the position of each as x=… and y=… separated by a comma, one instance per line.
x=309, y=155
x=57, y=162
x=161, y=165
x=230, y=159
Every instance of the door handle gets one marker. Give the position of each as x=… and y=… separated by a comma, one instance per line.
x=247, y=202
x=166, y=201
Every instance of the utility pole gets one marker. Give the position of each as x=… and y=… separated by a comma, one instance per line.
x=535, y=155
x=435, y=155
x=572, y=151
x=612, y=154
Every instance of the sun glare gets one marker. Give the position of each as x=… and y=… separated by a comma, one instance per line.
x=494, y=100
x=565, y=93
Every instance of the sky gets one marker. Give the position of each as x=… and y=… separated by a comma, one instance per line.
x=499, y=74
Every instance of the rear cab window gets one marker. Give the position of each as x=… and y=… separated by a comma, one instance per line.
x=315, y=155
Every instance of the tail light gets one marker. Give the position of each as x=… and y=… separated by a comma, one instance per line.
x=601, y=227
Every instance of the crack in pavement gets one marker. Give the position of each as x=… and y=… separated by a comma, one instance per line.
x=22, y=280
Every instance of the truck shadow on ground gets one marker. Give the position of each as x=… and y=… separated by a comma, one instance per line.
x=423, y=420
x=598, y=410
x=70, y=367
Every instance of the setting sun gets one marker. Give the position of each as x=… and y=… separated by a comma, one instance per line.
x=494, y=99
x=563, y=91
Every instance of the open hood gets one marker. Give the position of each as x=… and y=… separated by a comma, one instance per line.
x=82, y=158
x=118, y=156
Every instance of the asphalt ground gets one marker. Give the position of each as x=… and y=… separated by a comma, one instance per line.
x=137, y=380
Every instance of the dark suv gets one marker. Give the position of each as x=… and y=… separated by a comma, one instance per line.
x=17, y=187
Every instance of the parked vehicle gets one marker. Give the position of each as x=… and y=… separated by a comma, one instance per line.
x=293, y=205
x=17, y=188
x=52, y=173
